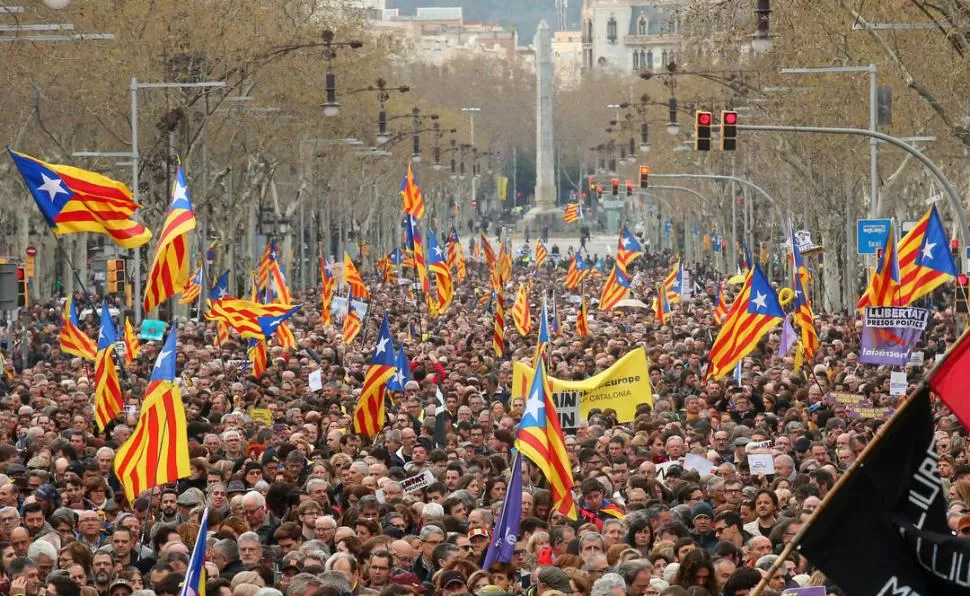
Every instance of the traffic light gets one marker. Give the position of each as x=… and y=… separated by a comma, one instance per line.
x=729, y=130
x=21, y=287
x=644, y=176
x=116, y=275
x=592, y=185
x=615, y=184
x=629, y=188
x=702, y=130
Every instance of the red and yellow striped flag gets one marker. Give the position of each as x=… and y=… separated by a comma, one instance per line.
x=328, y=281
x=170, y=267
x=157, y=452
x=192, y=289
x=488, y=250
x=352, y=324
x=354, y=280
x=369, y=414
x=132, y=346
x=262, y=268
x=582, y=322
x=257, y=357
x=411, y=195
x=520, y=311
x=498, y=331
x=456, y=257
x=222, y=333
x=541, y=253
x=108, y=399
x=72, y=339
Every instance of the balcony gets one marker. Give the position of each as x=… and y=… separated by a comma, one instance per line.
x=645, y=40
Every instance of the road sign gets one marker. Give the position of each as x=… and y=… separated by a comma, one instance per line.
x=871, y=235
x=31, y=251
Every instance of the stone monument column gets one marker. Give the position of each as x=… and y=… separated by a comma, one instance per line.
x=545, y=190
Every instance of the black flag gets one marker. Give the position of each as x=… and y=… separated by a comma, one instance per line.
x=884, y=531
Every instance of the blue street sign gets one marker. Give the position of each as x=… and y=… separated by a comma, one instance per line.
x=871, y=235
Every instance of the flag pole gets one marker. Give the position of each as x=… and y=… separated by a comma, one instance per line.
x=853, y=468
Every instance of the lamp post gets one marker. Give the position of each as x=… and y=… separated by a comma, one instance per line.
x=471, y=139
x=873, y=122
x=383, y=95
x=331, y=108
x=134, y=87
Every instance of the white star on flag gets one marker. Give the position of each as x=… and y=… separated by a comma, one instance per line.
x=162, y=356
x=928, y=250
x=223, y=292
x=52, y=186
x=381, y=346
x=627, y=242
x=399, y=378
x=534, y=407
x=437, y=250
x=760, y=300
x=181, y=192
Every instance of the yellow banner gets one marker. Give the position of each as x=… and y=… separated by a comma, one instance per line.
x=622, y=387
x=501, y=187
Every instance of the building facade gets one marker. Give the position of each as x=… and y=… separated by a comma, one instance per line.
x=567, y=57
x=630, y=36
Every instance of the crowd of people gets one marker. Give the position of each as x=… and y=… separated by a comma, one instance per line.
x=299, y=504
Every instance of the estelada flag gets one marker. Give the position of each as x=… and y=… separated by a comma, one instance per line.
x=73, y=200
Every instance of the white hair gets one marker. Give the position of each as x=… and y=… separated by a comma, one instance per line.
x=254, y=497
x=433, y=510
x=606, y=585
x=42, y=547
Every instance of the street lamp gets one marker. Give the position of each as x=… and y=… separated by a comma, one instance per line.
x=383, y=94
x=331, y=108
x=761, y=40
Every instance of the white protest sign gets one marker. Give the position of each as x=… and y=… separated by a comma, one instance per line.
x=761, y=463
x=316, y=380
x=662, y=468
x=916, y=359
x=698, y=462
x=417, y=482
x=897, y=382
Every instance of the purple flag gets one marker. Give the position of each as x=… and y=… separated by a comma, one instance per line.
x=788, y=337
x=888, y=345
x=506, y=530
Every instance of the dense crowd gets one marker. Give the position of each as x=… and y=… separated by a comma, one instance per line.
x=301, y=505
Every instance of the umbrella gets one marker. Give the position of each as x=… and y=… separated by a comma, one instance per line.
x=631, y=303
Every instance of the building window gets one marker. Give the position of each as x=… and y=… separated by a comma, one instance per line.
x=636, y=60
x=649, y=62
x=663, y=59
x=611, y=30
x=670, y=57
x=643, y=59
x=589, y=31
x=642, y=26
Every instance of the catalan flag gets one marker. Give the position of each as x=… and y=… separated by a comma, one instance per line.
x=662, y=306
x=576, y=272
x=505, y=260
x=221, y=288
x=615, y=289
x=582, y=322
x=555, y=327
x=541, y=253
x=370, y=413
x=488, y=250
x=456, y=257
x=720, y=304
x=573, y=212
x=157, y=452
x=386, y=268
x=257, y=357
x=278, y=292
x=755, y=312
x=884, y=287
x=328, y=282
x=352, y=324
x=804, y=317
x=192, y=289
x=108, y=399
x=925, y=262
x=416, y=246
x=132, y=346
x=170, y=266
x=411, y=195
x=353, y=279
x=673, y=284
x=222, y=333
x=194, y=584
x=520, y=311
x=540, y=439
x=498, y=330
x=262, y=268
x=438, y=266
x=73, y=200
x=72, y=339
x=251, y=320
x=402, y=373
x=628, y=250
x=543, y=340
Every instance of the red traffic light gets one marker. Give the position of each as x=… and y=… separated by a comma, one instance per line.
x=730, y=118
x=962, y=280
x=704, y=118
x=21, y=274
x=954, y=244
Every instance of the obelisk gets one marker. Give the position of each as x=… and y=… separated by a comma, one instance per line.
x=545, y=192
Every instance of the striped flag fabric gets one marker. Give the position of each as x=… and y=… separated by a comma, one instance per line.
x=262, y=268
x=132, y=346
x=543, y=336
x=370, y=411
x=498, y=329
x=328, y=283
x=720, y=304
x=572, y=213
x=192, y=289
x=555, y=326
x=108, y=399
x=251, y=320
x=504, y=263
x=576, y=272
x=222, y=333
x=803, y=315
x=416, y=246
x=352, y=324
x=170, y=266
x=755, y=312
x=72, y=339
x=277, y=292
x=925, y=262
x=540, y=439
x=662, y=306
x=411, y=195
x=582, y=322
x=520, y=311
x=157, y=452
x=488, y=250
x=673, y=284
x=353, y=279
x=541, y=254
x=615, y=289
x=628, y=250
x=194, y=584
x=884, y=286
x=438, y=266
x=456, y=256
x=221, y=288
x=73, y=200
x=256, y=353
